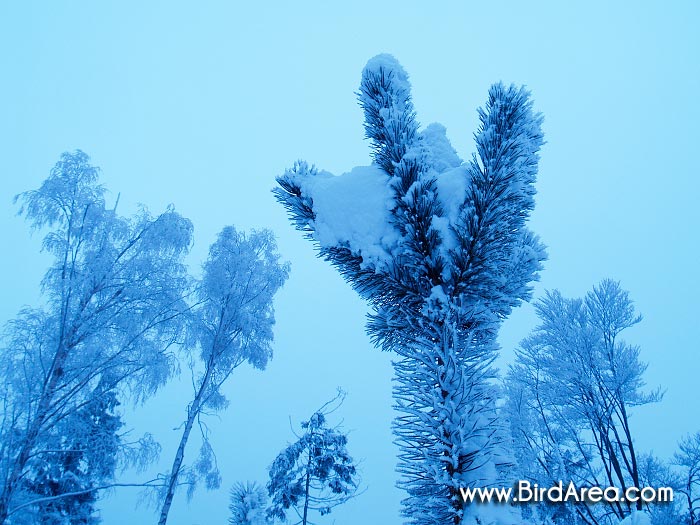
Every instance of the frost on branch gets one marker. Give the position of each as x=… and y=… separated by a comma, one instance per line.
x=113, y=306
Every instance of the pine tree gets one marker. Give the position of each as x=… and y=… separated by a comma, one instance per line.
x=248, y=504
x=315, y=473
x=85, y=449
x=455, y=266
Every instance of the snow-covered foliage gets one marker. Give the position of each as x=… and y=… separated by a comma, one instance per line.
x=364, y=195
x=113, y=306
x=248, y=504
x=569, y=395
x=86, y=446
x=688, y=460
x=315, y=473
x=441, y=252
x=230, y=324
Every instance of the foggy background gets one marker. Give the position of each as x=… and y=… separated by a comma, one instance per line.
x=202, y=106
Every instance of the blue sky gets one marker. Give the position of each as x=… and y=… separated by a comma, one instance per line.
x=203, y=105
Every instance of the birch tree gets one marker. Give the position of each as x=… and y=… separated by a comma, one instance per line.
x=571, y=390
x=112, y=308
x=231, y=324
x=687, y=458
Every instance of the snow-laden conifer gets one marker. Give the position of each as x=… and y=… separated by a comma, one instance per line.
x=315, y=473
x=248, y=504
x=442, y=254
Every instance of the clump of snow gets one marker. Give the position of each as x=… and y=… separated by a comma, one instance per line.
x=440, y=154
x=452, y=189
x=637, y=518
x=435, y=304
x=354, y=210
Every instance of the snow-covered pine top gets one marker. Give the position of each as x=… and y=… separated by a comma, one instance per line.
x=387, y=65
x=419, y=208
x=385, y=97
